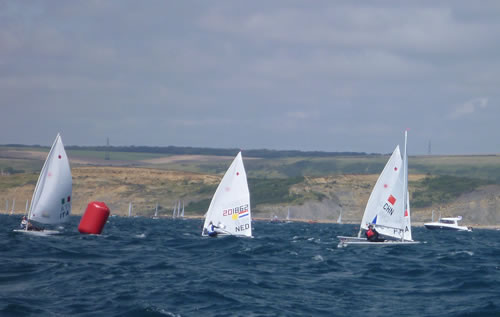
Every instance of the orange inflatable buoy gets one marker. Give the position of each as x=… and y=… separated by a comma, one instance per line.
x=94, y=218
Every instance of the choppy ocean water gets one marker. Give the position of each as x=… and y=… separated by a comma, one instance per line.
x=146, y=267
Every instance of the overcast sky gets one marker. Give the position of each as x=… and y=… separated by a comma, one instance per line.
x=284, y=74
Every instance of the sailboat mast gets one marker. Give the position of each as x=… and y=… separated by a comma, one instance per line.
x=405, y=182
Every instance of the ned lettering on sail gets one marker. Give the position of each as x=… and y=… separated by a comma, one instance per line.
x=242, y=227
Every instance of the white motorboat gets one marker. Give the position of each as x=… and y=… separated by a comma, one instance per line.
x=448, y=223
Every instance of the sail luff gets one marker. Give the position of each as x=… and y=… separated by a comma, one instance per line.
x=39, y=181
x=406, y=212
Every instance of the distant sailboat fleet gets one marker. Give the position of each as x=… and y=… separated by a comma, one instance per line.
x=178, y=212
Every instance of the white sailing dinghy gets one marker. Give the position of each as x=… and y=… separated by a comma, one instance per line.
x=51, y=201
x=13, y=206
x=229, y=209
x=156, y=212
x=388, y=208
x=288, y=216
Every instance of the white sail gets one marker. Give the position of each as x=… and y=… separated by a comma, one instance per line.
x=407, y=222
x=182, y=213
x=26, y=208
x=130, y=209
x=388, y=205
x=156, y=210
x=230, y=205
x=339, y=219
x=385, y=194
x=406, y=210
x=51, y=202
x=288, y=214
x=178, y=209
x=13, y=206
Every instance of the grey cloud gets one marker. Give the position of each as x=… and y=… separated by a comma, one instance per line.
x=469, y=108
x=335, y=76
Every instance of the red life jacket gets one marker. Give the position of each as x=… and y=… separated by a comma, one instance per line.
x=369, y=233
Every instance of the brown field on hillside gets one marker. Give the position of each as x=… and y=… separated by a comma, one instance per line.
x=144, y=187
x=117, y=186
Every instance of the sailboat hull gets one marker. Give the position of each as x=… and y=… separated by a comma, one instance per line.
x=221, y=235
x=37, y=232
x=345, y=241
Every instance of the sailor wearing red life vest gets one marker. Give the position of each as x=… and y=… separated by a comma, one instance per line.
x=372, y=235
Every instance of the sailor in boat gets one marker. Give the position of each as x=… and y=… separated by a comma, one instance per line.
x=372, y=235
x=211, y=232
x=25, y=223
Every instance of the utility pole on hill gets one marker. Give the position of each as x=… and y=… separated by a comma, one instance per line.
x=106, y=153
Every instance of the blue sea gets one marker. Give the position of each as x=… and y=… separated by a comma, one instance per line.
x=146, y=267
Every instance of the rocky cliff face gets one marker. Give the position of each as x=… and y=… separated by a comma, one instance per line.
x=481, y=206
x=349, y=193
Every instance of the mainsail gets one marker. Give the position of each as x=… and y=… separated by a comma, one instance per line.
x=388, y=205
x=230, y=205
x=51, y=202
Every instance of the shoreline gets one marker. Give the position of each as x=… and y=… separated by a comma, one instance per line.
x=312, y=221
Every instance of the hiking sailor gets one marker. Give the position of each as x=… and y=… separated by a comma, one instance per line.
x=372, y=235
x=211, y=232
